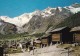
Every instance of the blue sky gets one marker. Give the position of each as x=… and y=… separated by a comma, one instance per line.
x=13, y=8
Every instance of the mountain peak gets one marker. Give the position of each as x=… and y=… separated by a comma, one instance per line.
x=76, y=5
x=59, y=9
x=36, y=12
x=25, y=18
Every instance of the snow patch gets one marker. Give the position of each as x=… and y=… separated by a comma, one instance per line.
x=75, y=10
x=60, y=9
x=19, y=21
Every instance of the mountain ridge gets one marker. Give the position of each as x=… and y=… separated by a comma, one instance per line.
x=25, y=18
x=41, y=21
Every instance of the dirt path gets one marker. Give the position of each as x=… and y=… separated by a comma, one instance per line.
x=20, y=54
x=46, y=51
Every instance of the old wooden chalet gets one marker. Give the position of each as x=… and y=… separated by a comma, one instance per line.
x=46, y=40
x=76, y=33
x=61, y=35
x=37, y=43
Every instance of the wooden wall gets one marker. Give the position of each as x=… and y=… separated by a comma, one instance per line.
x=44, y=41
x=37, y=44
x=56, y=37
x=77, y=37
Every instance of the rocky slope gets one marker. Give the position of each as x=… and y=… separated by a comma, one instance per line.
x=71, y=21
x=39, y=24
x=7, y=28
x=53, y=17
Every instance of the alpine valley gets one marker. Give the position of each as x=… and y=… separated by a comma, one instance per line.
x=41, y=21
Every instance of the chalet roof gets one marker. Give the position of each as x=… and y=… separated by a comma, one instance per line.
x=58, y=29
x=37, y=38
x=46, y=35
x=75, y=29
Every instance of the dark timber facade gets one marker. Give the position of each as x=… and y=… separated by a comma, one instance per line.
x=46, y=40
x=76, y=34
x=61, y=35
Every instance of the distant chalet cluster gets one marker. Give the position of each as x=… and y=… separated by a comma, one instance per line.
x=61, y=35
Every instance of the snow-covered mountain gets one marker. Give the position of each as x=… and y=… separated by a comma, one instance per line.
x=19, y=21
x=41, y=20
x=25, y=18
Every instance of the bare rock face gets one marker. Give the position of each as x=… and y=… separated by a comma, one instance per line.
x=7, y=28
x=39, y=24
x=71, y=21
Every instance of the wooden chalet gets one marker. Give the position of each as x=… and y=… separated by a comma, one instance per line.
x=45, y=40
x=37, y=43
x=61, y=35
x=76, y=33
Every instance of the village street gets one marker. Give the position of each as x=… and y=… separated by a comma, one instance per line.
x=46, y=51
